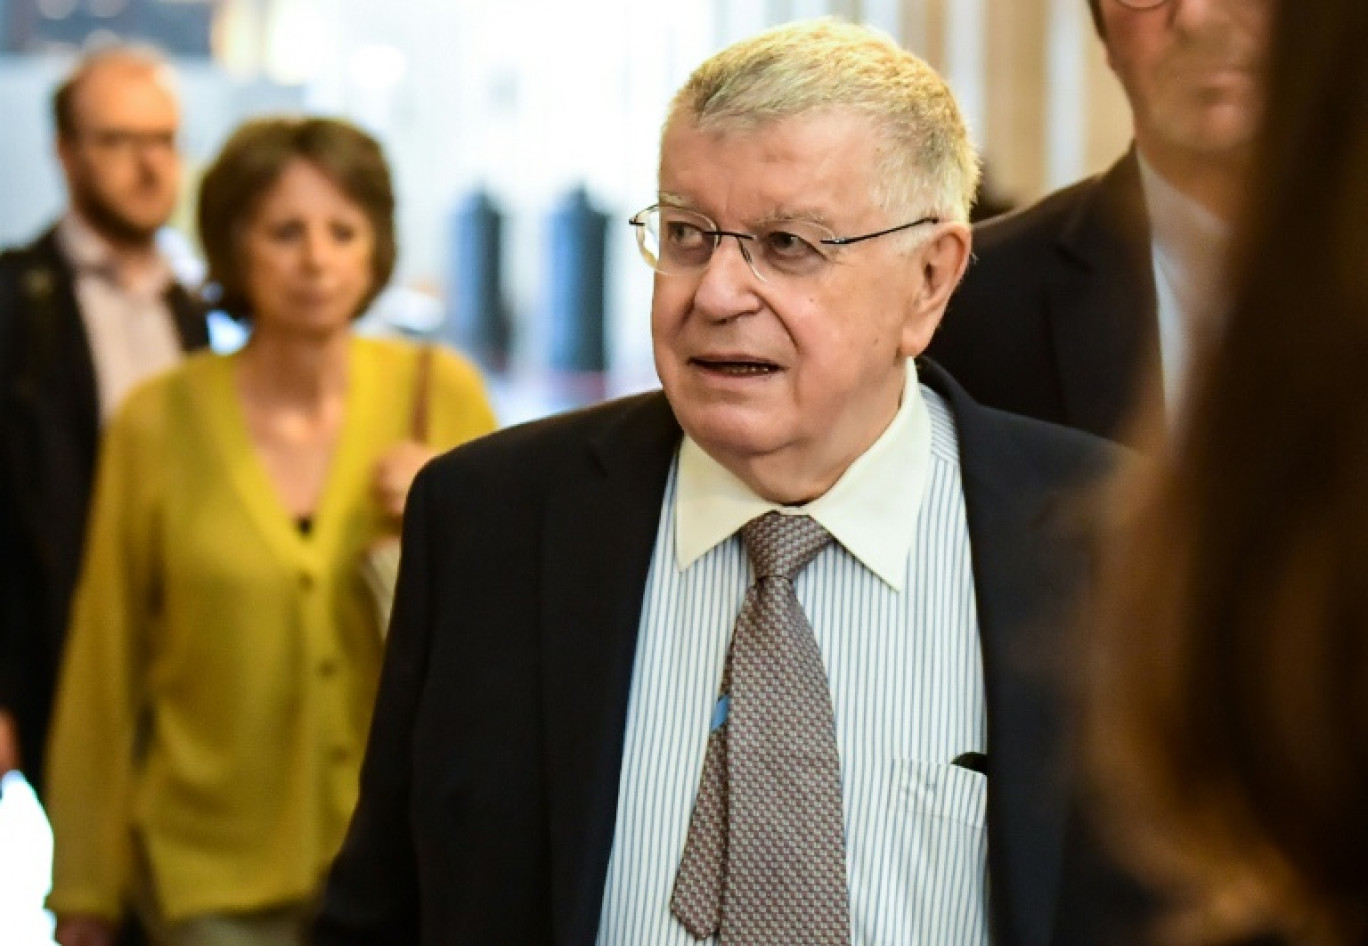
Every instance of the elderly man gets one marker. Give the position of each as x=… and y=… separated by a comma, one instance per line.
x=1080, y=305
x=737, y=662
x=88, y=310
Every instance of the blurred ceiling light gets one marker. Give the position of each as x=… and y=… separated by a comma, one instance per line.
x=106, y=8
x=235, y=39
x=295, y=48
x=99, y=39
x=56, y=9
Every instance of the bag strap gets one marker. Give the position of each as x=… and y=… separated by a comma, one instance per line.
x=418, y=423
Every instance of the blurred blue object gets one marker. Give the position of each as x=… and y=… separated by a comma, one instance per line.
x=576, y=239
x=226, y=334
x=182, y=29
x=478, y=323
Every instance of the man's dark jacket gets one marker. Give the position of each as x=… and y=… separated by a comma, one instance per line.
x=490, y=786
x=1056, y=317
x=49, y=430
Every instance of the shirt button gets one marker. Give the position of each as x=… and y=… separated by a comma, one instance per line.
x=338, y=754
x=327, y=667
x=306, y=580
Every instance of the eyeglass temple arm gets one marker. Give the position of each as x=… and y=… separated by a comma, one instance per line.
x=846, y=241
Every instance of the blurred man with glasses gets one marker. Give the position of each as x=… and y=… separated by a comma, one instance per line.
x=1095, y=297
x=736, y=662
x=88, y=310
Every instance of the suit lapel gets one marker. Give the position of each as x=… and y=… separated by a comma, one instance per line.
x=1022, y=583
x=57, y=414
x=601, y=526
x=59, y=348
x=1103, y=309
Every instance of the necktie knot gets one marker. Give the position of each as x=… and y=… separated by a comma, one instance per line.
x=782, y=546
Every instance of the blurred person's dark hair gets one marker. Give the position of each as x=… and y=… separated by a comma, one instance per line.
x=66, y=97
x=1095, y=8
x=249, y=165
x=1230, y=732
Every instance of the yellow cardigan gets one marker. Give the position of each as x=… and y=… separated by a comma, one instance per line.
x=221, y=666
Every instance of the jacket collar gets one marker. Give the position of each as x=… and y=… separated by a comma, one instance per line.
x=600, y=527
x=1102, y=306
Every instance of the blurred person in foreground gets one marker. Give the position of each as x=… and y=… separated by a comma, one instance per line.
x=1079, y=304
x=571, y=743
x=86, y=311
x=1231, y=687
x=224, y=656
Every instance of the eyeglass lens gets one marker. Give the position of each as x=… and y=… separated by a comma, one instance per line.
x=673, y=240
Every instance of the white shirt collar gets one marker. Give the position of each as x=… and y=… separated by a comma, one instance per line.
x=885, y=484
x=88, y=252
x=1179, y=224
x=1189, y=246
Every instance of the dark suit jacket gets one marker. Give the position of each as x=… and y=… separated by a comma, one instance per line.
x=489, y=791
x=49, y=428
x=1056, y=317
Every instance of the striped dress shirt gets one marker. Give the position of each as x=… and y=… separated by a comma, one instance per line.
x=891, y=603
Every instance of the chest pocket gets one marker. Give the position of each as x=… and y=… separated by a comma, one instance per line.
x=940, y=791
x=930, y=861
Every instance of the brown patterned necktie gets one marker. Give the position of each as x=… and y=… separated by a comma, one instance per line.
x=764, y=861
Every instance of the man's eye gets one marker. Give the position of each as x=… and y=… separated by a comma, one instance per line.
x=683, y=235
x=781, y=244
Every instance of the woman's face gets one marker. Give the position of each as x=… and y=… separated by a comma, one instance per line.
x=307, y=255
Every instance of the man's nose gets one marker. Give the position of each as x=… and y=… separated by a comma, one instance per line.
x=1196, y=13
x=727, y=284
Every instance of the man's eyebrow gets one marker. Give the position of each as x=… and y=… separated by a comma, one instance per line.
x=789, y=216
x=668, y=199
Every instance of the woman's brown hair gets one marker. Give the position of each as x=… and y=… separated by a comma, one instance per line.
x=1230, y=686
x=251, y=162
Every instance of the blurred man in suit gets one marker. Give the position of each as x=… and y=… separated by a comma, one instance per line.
x=86, y=311
x=572, y=744
x=1077, y=305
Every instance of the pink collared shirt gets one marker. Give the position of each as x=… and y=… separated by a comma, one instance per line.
x=131, y=328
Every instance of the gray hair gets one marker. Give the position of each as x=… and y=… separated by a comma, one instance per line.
x=825, y=64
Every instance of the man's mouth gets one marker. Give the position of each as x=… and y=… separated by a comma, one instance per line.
x=737, y=367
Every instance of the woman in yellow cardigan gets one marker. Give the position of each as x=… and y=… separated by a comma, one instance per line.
x=223, y=658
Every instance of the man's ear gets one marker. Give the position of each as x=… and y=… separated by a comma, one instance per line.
x=941, y=261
